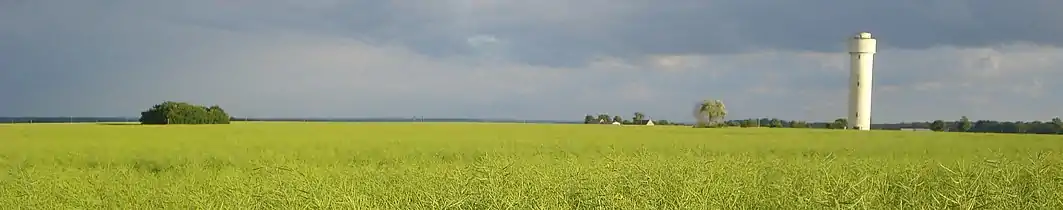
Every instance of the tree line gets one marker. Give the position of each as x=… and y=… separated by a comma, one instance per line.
x=768, y=122
x=712, y=114
x=636, y=118
x=964, y=124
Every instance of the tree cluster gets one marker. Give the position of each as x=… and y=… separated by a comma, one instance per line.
x=712, y=113
x=840, y=123
x=171, y=112
x=768, y=122
x=964, y=124
x=637, y=118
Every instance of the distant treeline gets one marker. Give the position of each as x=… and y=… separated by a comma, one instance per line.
x=1053, y=126
x=637, y=118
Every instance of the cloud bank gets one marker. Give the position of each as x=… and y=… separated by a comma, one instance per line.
x=547, y=59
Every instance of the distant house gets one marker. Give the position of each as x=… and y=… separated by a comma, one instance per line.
x=616, y=123
x=644, y=122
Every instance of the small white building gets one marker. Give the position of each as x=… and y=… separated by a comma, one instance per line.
x=616, y=123
x=915, y=129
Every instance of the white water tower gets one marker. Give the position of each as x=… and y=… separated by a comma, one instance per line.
x=861, y=60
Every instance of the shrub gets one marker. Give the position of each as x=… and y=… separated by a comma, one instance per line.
x=170, y=112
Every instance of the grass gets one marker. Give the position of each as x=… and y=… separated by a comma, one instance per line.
x=519, y=166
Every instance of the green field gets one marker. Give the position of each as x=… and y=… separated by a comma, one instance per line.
x=519, y=166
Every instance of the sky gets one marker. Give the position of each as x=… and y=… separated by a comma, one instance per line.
x=533, y=60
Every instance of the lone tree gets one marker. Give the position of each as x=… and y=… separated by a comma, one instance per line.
x=964, y=125
x=603, y=119
x=1058, y=123
x=171, y=112
x=839, y=123
x=639, y=116
x=775, y=123
x=710, y=114
x=590, y=120
x=937, y=125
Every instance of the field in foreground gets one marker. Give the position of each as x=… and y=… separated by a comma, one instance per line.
x=519, y=166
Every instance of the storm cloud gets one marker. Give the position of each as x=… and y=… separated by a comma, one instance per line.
x=546, y=59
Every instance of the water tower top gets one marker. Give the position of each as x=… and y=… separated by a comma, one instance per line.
x=863, y=35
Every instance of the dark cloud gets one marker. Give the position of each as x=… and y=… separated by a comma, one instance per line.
x=590, y=28
x=679, y=27
x=819, y=24
x=551, y=59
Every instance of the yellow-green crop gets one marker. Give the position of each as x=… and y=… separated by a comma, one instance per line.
x=519, y=166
